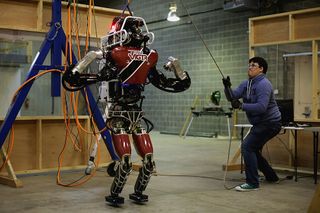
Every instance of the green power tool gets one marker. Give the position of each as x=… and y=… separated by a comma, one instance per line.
x=215, y=97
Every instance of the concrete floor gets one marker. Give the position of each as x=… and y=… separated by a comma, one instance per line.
x=189, y=179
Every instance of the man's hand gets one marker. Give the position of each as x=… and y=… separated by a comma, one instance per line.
x=226, y=82
x=236, y=104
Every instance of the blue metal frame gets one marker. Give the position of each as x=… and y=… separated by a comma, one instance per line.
x=54, y=41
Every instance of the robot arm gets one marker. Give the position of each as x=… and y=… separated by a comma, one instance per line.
x=84, y=63
x=180, y=83
x=74, y=79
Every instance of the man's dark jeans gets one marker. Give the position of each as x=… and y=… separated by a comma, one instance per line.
x=251, y=149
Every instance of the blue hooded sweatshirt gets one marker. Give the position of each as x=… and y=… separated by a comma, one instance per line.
x=258, y=100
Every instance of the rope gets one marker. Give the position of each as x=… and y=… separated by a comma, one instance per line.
x=201, y=38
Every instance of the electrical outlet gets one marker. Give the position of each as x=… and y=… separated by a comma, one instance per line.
x=276, y=91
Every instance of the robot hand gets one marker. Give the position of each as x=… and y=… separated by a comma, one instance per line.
x=72, y=80
x=180, y=83
x=75, y=76
x=173, y=65
x=71, y=75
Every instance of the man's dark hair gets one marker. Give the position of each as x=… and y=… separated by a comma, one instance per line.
x=262, y=63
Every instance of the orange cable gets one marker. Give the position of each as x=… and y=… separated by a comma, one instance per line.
x=71, y=98
x=60, y=159
x=75, y=110
x=90, y=115
x=32, y=78
x=74, y=104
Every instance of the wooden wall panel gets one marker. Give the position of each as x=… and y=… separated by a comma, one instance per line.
x=18, y=15
x=304, y=25
x=279, y=32
x=35, y=16
x=282, y=28
x=305, y=149
x=280, y=153
x=38, y=142
x=53, y=134
x=23, y=154
x=104, y=154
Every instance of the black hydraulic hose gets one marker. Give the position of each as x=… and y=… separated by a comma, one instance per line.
x=148, y=123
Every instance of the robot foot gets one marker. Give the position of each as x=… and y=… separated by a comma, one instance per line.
x=139, y=198
x=114, y=200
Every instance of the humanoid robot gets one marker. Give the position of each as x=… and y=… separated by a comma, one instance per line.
x=128, y=64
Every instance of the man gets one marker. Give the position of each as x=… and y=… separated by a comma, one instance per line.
x=263, y=113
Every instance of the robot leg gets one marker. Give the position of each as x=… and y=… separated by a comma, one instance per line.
x=144, y=148
x=122, y=168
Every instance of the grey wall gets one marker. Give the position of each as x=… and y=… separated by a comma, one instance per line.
x=226, y=35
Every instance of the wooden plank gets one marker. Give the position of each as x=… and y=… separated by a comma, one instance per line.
x=11, y=182
x=34, y=15
x=294, y=26
x=12, y=179
x=251, y=40
x=232, y=167
x=271, y=30
x=305, y=149
x=18, y=14
x=48, y=170
x=136, y=166
x=315, y=202
x=236, y=156
x=39, y=140
x=103, y=18
x=39, y=15
x=279, y=151
x=283, y=42
x=303, y=11
x=33, y=118
x=303, y=120
x=23, y=155
x=189, y=116
x=39, y=144
x=305, y=25
x=291, y=28
x=315, y=78
x=53, y=142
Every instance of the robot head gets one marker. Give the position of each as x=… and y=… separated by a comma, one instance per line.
x=129, y=30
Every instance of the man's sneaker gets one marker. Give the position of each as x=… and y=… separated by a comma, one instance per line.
x=246, y=187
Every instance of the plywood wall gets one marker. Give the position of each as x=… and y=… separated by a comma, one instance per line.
x=35, y=16
x=38, y=141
